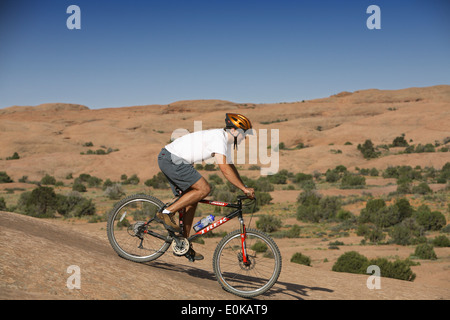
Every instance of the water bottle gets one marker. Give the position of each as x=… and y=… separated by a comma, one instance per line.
x=204, y=223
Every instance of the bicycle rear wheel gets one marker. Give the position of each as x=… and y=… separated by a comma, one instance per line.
x=256, y=277
x=132, y=231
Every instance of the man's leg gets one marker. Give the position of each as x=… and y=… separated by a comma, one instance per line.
x=193, y=195
x=188, y=218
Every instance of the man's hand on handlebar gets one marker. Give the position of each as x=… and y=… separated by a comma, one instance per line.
x=249, y=192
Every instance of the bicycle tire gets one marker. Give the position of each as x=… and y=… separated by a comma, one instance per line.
x=246, y=282
x=149, y=206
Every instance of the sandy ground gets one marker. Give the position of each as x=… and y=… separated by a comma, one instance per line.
x=36, y=254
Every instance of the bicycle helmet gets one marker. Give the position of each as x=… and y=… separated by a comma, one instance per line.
x=238, y=122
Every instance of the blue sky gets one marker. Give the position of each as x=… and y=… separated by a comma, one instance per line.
x=139, y=52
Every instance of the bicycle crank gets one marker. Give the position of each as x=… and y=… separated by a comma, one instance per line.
x=180, y=246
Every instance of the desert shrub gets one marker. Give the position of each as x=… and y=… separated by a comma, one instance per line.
x=48, y=180
x=405, y=210
x=400, y=141
x=41, y=202
x=74, y=205
x=215, y=178
x=4, y=178
x=94, y=181
x=292, y=232
x=114, y=192
x=399, y=269
x=268, y=223
x=262, y=198
x=259, y=246
x=372, y=207
x=2, y=204
x=344, y=215
x=159, y=181
x=368, y=150
x=302, y=177
x=425, y=251
x=332, y=176
x=422, y=188
x=301, y=259
x=312, y=207
x=375, y=235
x=308, y=198
x=210, y=167
x=279, y=177
x=352, y=181
x=15, y=156
x=351, y=262
x=406, y=232
x=383, y=216
x=430, y=220
x=78, y=186
x=439, y=241
x=134, y=180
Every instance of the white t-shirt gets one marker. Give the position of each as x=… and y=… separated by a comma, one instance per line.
x=201, y=145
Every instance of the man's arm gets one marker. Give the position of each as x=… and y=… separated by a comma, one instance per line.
x=231, y=174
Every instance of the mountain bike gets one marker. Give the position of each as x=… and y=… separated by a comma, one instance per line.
x=246, y=262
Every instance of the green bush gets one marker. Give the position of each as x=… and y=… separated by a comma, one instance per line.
x=301, y=259
x=368, y=150
x=352, y=181
x=351, y=262
x=15, y=156
x=78, y=186
x=41, y=202
x=114, y=192
x=406, y=232
x=259, y=246
x=268, y=223
x=48, y=180
x=74, y=205
x=422, y=188
x=400, y=142
x=439, y=241
x=2, y=204
x=425, y=251
x=4, y=178
x=312, y=207
x=399, y=269
x=159, y=181
x=430, y=220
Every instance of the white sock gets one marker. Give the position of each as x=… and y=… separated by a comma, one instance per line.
x=165, y=211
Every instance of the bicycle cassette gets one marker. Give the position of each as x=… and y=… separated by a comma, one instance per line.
x=180, y=246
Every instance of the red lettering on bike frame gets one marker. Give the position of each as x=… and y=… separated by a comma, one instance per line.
x=214, y=203
x=213, y=226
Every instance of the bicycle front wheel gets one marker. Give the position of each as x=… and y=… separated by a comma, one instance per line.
x=249, y=279
x=132, y=231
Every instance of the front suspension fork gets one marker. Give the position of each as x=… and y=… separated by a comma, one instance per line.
x=243, y=238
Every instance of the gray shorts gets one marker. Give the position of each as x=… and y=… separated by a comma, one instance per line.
x=181, y=175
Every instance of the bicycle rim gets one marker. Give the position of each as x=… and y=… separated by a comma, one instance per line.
x=128, y=229
x=247, y=280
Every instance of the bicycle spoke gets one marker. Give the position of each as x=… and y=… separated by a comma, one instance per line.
x=128, y=227
x=255, y=277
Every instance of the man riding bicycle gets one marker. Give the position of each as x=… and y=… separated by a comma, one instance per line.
x=176, y=162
